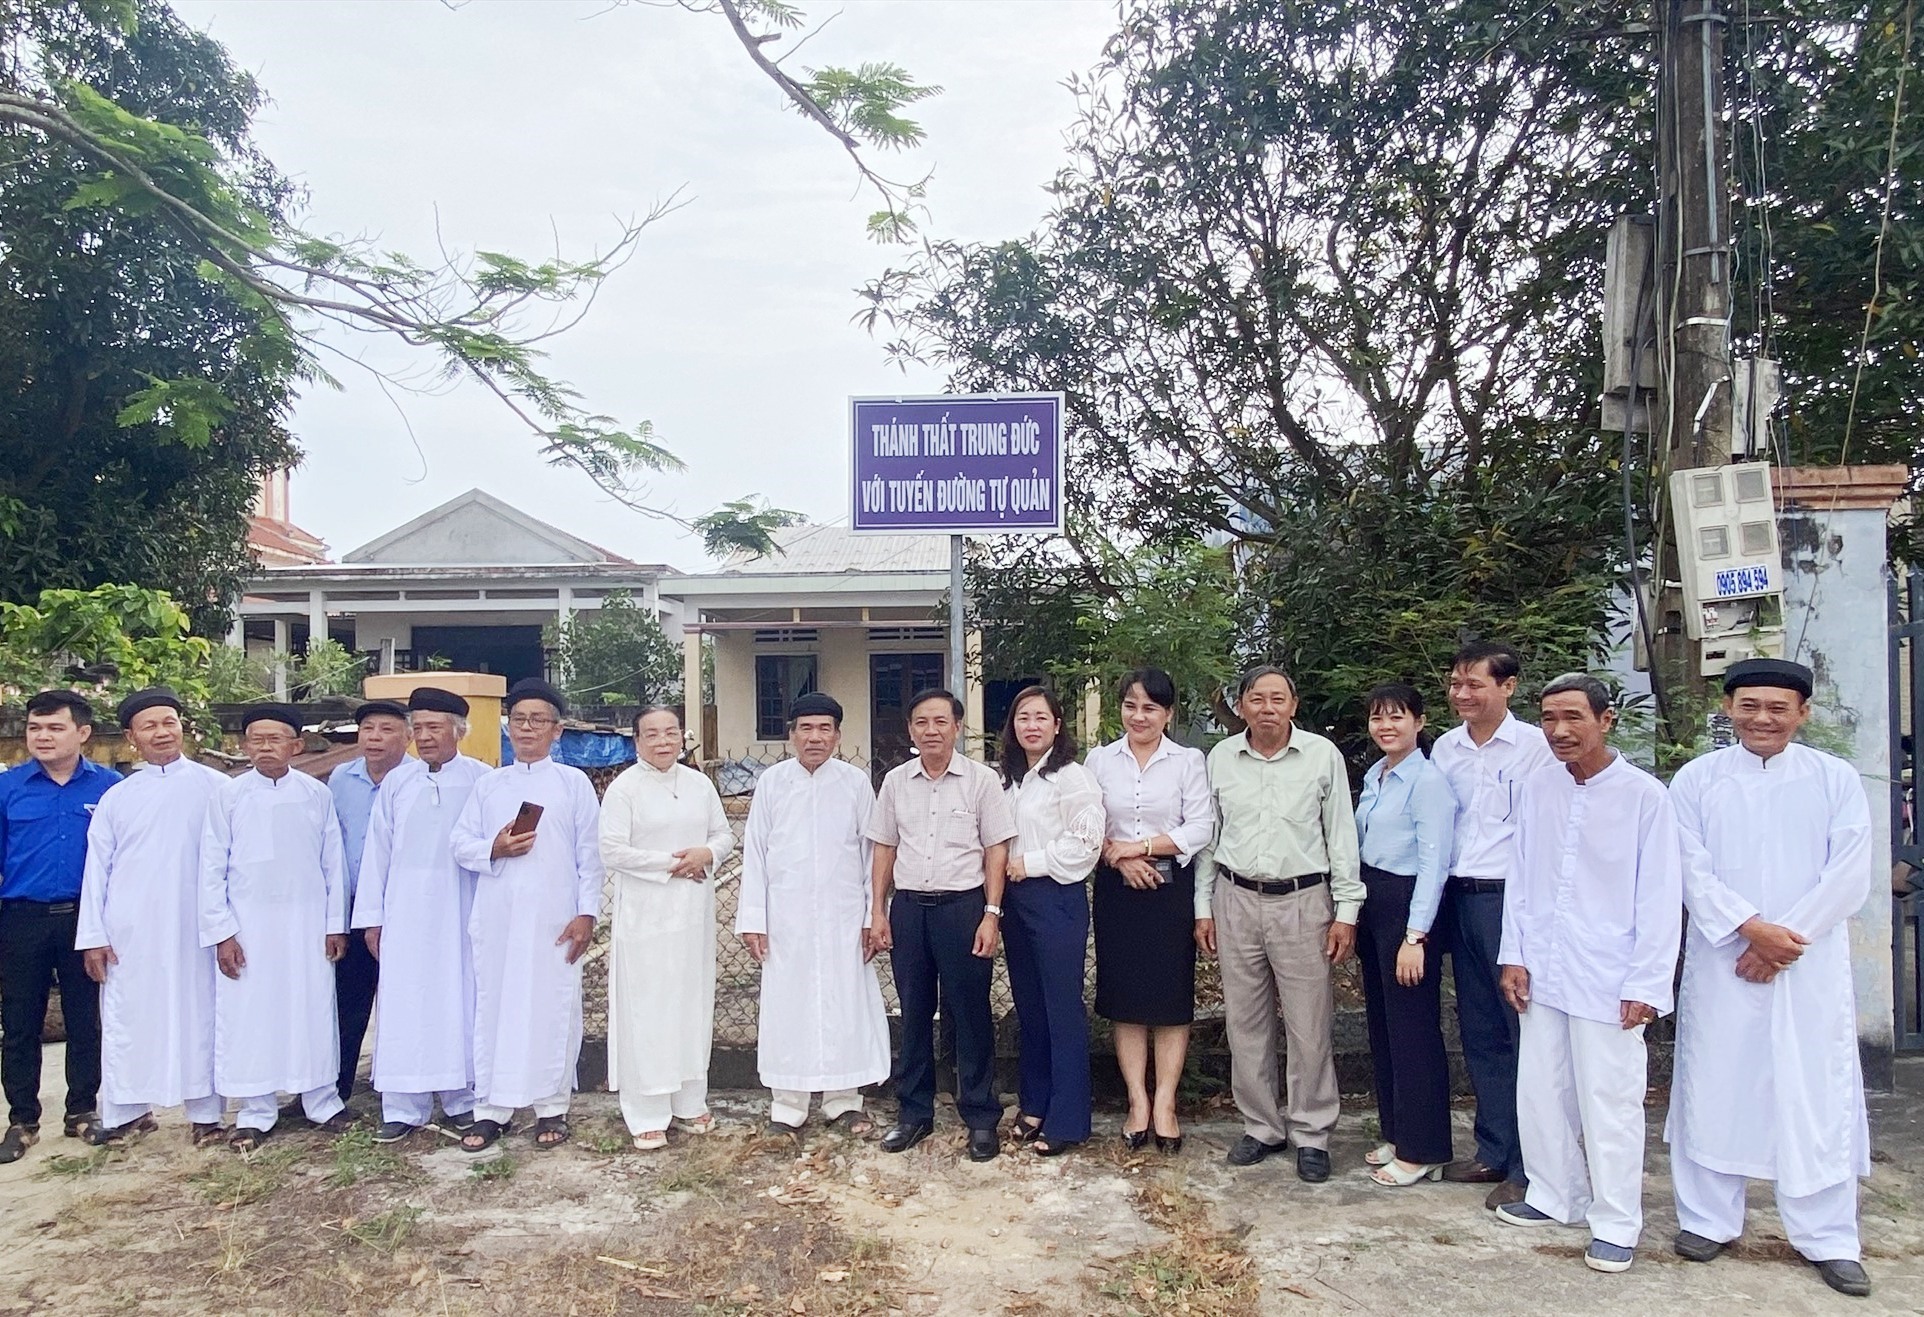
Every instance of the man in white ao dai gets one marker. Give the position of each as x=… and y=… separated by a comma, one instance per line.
x=804, y=906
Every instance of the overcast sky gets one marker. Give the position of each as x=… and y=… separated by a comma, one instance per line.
x=508, y=121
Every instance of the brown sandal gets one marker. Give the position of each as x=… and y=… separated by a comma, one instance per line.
x=207, y=1135
x=555, y=1126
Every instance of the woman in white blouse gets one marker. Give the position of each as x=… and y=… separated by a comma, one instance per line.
x=1045, y=922
x=1155, y=794
x=663, y=835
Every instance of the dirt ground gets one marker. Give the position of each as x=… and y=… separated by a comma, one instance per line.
x=738, y=1224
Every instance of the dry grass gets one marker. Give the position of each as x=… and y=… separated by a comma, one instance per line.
x=1200, y=1270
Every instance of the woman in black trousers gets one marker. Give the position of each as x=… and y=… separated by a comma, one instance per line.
x=1405, y=824
x=1045, y=927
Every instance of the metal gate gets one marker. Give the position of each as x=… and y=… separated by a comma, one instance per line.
x=1907, y=907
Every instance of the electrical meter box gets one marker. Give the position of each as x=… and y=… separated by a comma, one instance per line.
x=1727, y=555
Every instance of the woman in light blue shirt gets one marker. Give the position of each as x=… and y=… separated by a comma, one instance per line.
x=1405, y=824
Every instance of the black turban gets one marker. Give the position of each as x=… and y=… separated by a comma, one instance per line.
x=1780, y=673
x=533, y=688
x=372, y=707
x=432, y=699
x=816, y=705
x=154, y=697
x=274, y=713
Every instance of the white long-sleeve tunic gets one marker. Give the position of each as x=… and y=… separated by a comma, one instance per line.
x=1767, y=1081
x=272, y=874
x=141, y=896
x=661, y=959
x=412, y=889
x=1594, y=904
x=805, y=883
x=527, y=997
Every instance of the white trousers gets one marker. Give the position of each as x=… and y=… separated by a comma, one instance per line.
x=1579, y=1108
x=647, y=1113
x=260, y=1111
x=788, y=1107
x=549, y=1106
x=1822, y=1226
x=201, y=1111
x=417, y=1109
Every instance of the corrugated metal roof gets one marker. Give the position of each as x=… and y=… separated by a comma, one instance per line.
x=832, y=549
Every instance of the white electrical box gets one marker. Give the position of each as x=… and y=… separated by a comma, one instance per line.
x=1728, y=558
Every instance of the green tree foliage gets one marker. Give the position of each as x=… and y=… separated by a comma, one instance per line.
x=1323, y=280
x=133, y=149
x=140, y=402
x=106, y=643
x=1827, y=126
x=616, y=654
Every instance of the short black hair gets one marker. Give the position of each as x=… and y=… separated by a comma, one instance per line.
x=1394, y=697
x=1581, y=683
x=922, y=697
x=54, y=701
x=1504, y=662
x=1015, y=760
x=1257, y=673
x=1157, y=686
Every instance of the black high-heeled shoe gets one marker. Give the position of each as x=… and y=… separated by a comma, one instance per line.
x=1171, y=1146
x=1136, y=1140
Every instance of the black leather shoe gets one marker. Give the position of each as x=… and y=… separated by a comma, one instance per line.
x=1695, y=1248
x=984, y=1145
x=1312, y=1165
x=1248, y=1150
x=904, y=1135
x=1844, y=1276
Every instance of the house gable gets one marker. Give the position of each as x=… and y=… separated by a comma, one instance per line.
x=477, y=529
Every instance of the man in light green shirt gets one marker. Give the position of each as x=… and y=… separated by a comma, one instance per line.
x=1279, y=891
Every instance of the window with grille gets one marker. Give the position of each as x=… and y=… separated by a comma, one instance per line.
x=780, y=680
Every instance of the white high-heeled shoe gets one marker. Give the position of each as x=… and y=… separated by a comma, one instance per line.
x=1393, y=1176
x=1381, y=1155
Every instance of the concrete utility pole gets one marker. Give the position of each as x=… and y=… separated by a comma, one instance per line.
x=1690, y=420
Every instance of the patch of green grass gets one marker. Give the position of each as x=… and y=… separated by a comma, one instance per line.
x=358, y=1157
x=63, y=1166
x=501, y=1166
x=384, y=1233
x=688, y=1177
x=239, y=1180
x=605, y=1138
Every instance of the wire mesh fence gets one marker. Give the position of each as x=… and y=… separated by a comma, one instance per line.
x=738, y=977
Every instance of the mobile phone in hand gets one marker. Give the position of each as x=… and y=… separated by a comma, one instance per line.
x=525, y=819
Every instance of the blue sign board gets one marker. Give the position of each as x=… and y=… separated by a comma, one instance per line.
x=957, y=464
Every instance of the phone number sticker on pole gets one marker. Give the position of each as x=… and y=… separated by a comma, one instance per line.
x=957, y=464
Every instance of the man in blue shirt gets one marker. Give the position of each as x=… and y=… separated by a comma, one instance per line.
x=382, y=738
x=45, y=807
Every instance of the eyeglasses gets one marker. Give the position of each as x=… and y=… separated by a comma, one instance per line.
x=528, y=722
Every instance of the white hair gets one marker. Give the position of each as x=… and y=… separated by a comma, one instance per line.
x=460, y=722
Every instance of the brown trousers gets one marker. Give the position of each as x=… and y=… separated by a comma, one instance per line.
x=1271, y=948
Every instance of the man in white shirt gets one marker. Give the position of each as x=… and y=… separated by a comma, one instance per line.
x=139, y=932
x=531, y=832
x=1591, y=920
x=1486, y=758
x=273, y=905
x=803, y=910
x=1777, y=857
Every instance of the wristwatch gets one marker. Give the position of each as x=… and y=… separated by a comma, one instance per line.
x=1415, y=939
x=995, y=910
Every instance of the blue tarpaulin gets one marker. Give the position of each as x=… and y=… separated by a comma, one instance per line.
x=584, y=749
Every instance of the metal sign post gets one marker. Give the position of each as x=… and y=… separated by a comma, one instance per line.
x=958, y=661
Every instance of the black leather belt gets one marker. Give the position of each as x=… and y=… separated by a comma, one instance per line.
x=1475, y=884
x=41, y=907
x=1278, y=886
x=940, y=898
